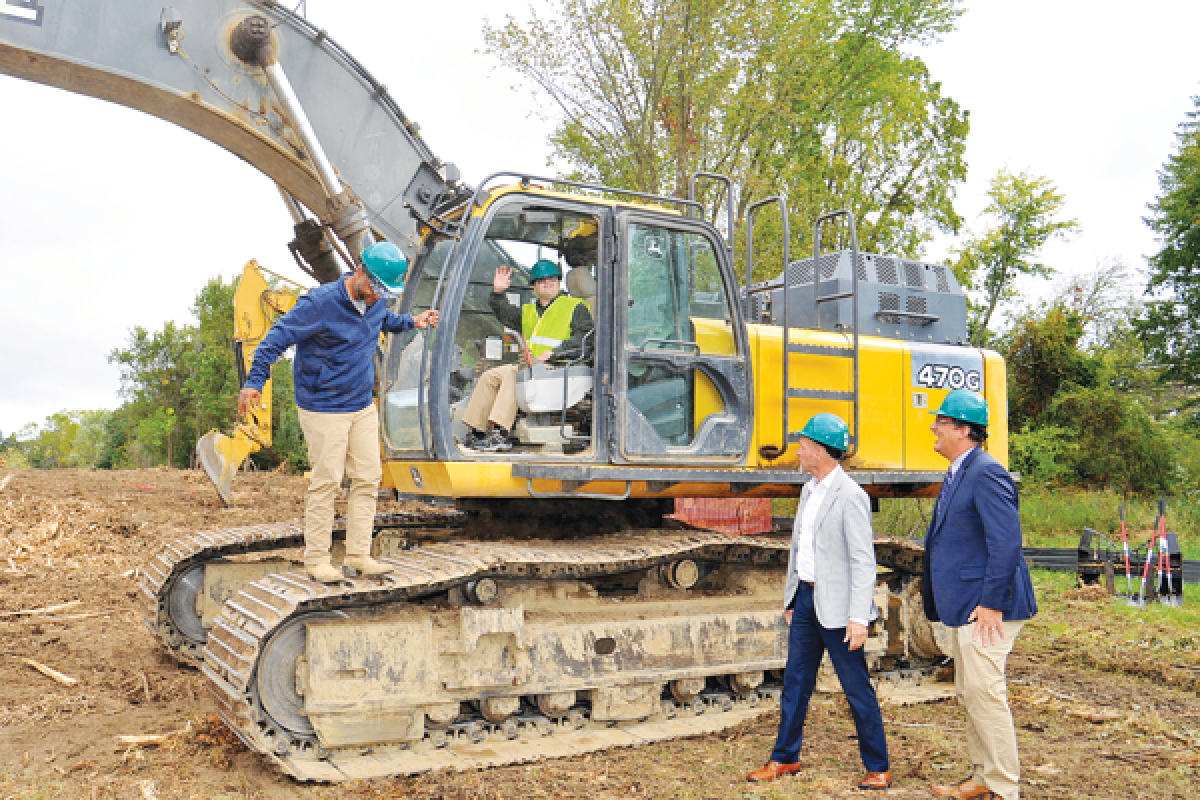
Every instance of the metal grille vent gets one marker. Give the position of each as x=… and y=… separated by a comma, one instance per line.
x=885, y=271
x=917, y=305
x=799, y=272
x=862, y=268
x=889, y=301
x=829, y=264
x=943, y=284
x=912, y=274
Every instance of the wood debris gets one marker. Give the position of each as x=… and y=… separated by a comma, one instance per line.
x=29, y=612
x=150, y=739
x=50, y=672
x=5, y=481
x=1096, y=715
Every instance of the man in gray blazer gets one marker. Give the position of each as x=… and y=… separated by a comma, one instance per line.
x=829, y=603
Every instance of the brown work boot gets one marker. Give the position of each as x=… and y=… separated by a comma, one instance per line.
x=771, y=771
x=876, y=780
x=967, y=790
x=367, y=565
x=324, y=573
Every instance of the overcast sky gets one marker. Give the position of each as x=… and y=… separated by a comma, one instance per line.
x=111, y=219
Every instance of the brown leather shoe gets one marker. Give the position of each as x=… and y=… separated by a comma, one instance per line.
x=967, y=790
x=771, y=771
x=876, y=780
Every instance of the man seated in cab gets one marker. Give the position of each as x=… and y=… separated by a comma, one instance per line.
x=554, y=327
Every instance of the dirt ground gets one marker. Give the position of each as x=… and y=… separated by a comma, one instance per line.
x=1105, y=698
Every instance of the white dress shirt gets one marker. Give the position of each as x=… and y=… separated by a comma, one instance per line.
x=958, y=463
x=806, y=526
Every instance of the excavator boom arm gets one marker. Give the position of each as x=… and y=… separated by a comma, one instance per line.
x=177, y=63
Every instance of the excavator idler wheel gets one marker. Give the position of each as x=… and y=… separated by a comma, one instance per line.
x=181, y=605
x=681, y=574
x=276, y=681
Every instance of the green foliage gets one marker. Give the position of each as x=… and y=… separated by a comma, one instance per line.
x=1116, y=442
x=154, y=371
x=1168, y=325
x=66, y=439
x=212, y=385
x=1043, y=455
x=1024, y=209
x=1043, y=357
x=1071, y=421
x=818, y=99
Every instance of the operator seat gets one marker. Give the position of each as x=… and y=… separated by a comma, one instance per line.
x=581, y=284
x=541, y=390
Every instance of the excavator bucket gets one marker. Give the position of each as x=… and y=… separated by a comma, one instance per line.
x=221, y=456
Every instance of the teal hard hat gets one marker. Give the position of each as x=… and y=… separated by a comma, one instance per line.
x=386, y=264
x=545, y=268
x=828, y=429
x=965, y=406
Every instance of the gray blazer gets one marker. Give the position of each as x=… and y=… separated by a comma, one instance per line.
x=845, y=555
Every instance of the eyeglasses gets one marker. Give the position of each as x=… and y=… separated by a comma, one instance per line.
x=381, y=291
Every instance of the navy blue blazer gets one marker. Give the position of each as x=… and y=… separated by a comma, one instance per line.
x=973, y=554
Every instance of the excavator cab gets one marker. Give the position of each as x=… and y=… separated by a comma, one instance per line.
x=664, y=373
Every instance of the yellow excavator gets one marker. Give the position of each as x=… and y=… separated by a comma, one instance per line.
x=554, y=610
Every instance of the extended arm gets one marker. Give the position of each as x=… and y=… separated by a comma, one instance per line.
x=295, y=326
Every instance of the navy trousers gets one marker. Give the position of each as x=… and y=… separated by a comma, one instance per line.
x=807, y=643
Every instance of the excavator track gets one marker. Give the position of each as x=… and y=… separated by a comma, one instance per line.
x=473, y=654
x=173, y=580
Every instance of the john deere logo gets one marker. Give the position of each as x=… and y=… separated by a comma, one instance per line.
x=23, y=10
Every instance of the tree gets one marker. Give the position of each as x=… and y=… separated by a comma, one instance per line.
x=212, y=384
x=1044, y=358
x=154, y=372
x=1168, y=326
x=1024, y=208
x=813, y=98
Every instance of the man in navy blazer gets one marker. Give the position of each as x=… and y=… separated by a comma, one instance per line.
x=977, y=583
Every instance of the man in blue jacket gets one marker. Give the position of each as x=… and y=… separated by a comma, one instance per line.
x=335, y=329
x=977, y=583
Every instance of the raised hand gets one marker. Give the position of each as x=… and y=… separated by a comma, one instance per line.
x=502, y=280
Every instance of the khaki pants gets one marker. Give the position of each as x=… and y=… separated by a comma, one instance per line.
x=341, y=443
x=979, y=683
x=494, y=398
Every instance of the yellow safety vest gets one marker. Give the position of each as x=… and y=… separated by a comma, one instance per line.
x=552, y=328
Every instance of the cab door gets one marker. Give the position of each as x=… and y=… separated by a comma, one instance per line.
x=683, y=369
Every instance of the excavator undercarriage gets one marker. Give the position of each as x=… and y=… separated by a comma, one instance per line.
x=475, y=653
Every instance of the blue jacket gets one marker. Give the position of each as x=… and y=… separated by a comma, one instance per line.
x=335, y=348
x=973, y=554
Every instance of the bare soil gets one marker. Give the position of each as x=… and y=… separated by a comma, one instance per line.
x=1105, y=698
